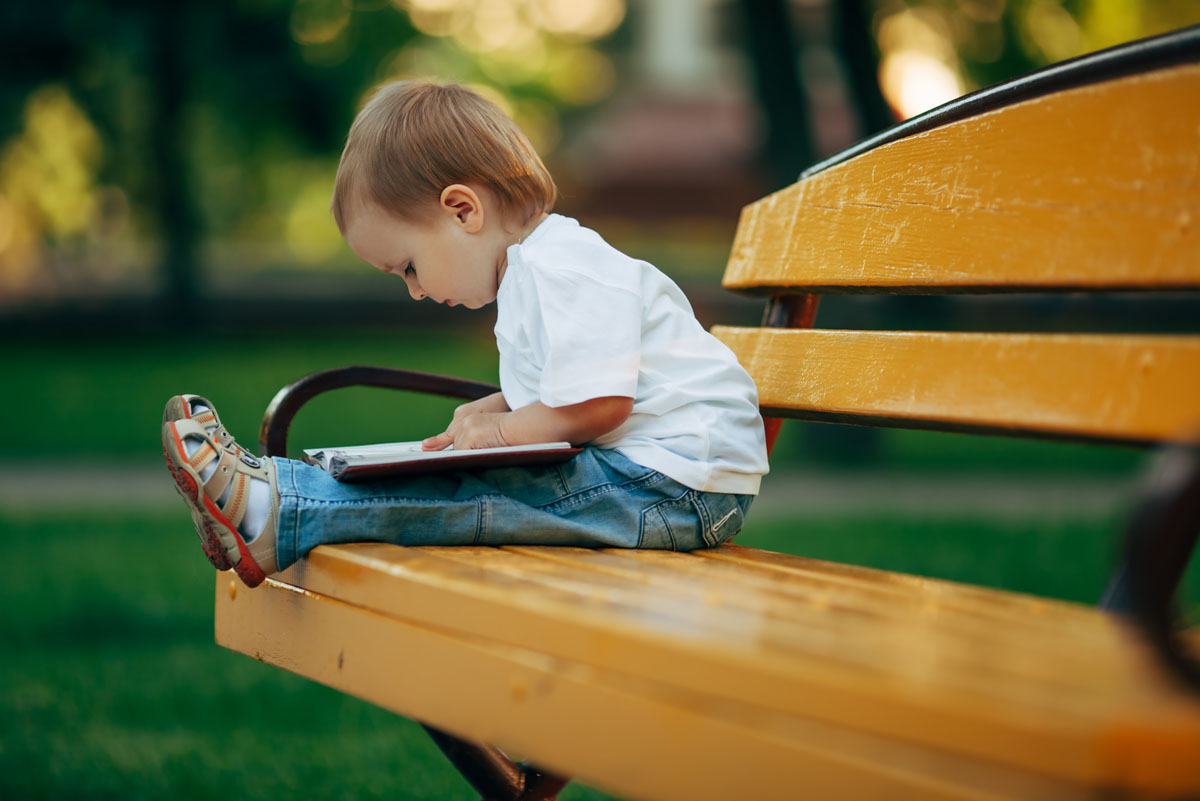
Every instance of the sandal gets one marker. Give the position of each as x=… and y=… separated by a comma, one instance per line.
x=219, y=504
x=179, y=407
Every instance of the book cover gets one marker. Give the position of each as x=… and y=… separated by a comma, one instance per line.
x=361, y=462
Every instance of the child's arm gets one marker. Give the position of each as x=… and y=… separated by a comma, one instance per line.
x=577, y=424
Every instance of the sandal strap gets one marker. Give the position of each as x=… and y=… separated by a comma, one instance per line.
x=235, y=470
x=203, y=456
x=180, y=408
x=226, y=469
x=245, y=471
x=236, y=504
x=235, y=467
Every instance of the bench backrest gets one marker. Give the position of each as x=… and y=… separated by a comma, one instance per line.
x=1090, y=188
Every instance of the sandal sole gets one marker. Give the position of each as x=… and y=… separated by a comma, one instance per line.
x=210, y=514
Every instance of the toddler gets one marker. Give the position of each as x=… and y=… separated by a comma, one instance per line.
x=439, y=187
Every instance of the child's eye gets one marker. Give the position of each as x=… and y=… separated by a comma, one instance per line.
x=409, y=269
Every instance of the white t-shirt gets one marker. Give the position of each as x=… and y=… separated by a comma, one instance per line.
x=577, y=319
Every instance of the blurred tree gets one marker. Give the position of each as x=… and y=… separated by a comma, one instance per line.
x=184, y=124
x=770, y=46
x=933, y=50
x=146, y=73
x=224, y=119
x=854, y=41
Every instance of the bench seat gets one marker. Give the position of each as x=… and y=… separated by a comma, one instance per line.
x=695, y=676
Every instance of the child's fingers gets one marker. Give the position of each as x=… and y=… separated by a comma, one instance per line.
x=437, y=442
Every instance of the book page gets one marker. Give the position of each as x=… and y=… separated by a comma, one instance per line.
x=398, y=452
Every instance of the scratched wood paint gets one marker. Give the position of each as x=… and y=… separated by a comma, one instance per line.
x=1092, y=187
x=1102, y=386
x=952, y=673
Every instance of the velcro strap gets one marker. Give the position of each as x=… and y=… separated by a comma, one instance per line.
x=201, y=457
x=215, y=486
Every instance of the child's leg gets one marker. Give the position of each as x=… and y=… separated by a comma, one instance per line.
x=259, y=516
x=598, y=499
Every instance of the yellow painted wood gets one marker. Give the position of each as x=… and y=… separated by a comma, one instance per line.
x=1106, y=386
x=1060, y=692
x=639, y=738
x=1097, y=186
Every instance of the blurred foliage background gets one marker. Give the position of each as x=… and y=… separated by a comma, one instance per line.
x=173, y=151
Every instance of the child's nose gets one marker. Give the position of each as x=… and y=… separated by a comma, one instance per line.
x=414, y=289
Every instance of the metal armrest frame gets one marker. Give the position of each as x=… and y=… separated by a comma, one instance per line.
x=486, y=768
x=272, y=434
x=1159, y=542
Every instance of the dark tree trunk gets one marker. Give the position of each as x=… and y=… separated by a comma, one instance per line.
x=770, y=43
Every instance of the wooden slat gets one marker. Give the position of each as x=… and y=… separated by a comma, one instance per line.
x=1068, y=694
x=638, y=738
x=1094, y=187
x=1117, y=387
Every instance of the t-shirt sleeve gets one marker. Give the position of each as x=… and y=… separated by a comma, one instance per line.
x=591, y=333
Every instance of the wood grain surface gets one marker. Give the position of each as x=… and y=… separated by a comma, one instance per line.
x=1094, y=187
x=1092, y=386
x=863, y=678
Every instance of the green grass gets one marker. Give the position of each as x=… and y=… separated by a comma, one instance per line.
x=111, y=685
x=104, y=396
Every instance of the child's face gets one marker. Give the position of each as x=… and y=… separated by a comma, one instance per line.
x=452, y=259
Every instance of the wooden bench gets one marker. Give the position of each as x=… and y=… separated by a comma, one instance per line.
x=734, y=672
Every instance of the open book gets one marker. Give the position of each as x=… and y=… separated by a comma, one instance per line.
x=361, y=462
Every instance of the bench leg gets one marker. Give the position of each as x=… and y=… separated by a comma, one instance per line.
x=1158, y=546
x=493, y=775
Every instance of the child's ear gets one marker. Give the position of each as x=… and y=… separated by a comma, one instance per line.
x=463, y=203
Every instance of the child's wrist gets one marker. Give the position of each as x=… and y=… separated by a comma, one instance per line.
x=504, y=417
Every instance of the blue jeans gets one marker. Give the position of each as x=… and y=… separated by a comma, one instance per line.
x=599, y=499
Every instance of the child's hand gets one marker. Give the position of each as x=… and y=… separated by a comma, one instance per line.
x=479, y=430
x=490, y=403
x=493, y=403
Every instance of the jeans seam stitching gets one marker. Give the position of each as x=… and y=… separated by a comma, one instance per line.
x=591, y=493
x=667, y=525
x=295, y=527
x=706, y=535
x=480, y=518
x=587, y=493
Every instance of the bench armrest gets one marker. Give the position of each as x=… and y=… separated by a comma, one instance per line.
x=272, y=434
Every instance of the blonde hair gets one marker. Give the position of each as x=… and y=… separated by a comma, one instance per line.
x=414, y=138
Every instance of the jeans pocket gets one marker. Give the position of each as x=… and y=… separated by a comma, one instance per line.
x=674, y=524
x=725, y=514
